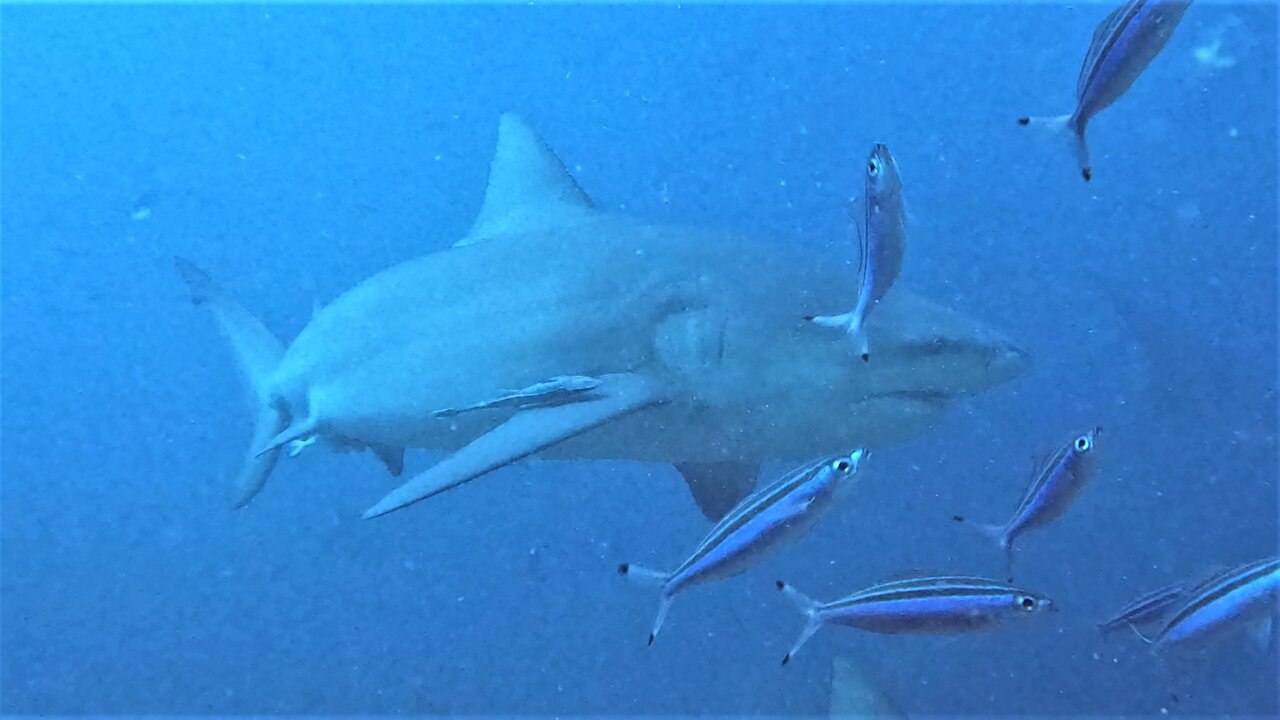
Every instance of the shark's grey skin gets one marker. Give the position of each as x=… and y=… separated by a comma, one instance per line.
x=698, y=338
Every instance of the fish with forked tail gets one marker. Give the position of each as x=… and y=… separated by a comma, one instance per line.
x=926, y=605
x=1123, y=45
x=882, y=234
x=1056, y=483
x=767, y=519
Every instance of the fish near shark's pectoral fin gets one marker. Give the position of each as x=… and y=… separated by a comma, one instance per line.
x=392, y=457
x=718, y=486
x=258, y=353
x=527, y=432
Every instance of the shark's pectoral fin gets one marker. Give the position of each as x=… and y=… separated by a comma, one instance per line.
x=718, y=486
x=392, y=457
x=527, y=432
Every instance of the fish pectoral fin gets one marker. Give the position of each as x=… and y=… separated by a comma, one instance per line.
x=392, y=457
x=718, y=486
x=523, y=434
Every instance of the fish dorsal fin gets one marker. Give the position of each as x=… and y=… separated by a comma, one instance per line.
x=529, y=186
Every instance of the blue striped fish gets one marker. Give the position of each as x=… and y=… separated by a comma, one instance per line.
x=1145, y=609
x=928, y=605
x=1123, y=45
x=1238, y=597
x=882, y=235
x=765, y=520
x=1056, y=484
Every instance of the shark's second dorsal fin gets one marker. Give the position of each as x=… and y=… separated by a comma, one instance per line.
x=529, y=187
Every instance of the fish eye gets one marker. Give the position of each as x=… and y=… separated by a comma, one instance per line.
x=1084, y=444
x=841, y=466
x=873, y=167
x=1026, y=602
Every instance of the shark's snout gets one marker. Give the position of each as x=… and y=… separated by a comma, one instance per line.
x=1008, y=361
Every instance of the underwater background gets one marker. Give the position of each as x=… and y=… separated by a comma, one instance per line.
x=296, y=150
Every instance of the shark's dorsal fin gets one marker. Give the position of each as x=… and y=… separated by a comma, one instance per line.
x=529, y=187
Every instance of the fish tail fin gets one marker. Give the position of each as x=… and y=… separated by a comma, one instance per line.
x=807, y=607
x=860, y=342
x=258, y=353
x=650, y=577
x=849, y=324
x=1070, y=128
x=994, y=533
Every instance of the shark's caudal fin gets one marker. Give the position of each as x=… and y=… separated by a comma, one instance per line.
x=1072, y=132
x=257, y=352
x=718, y=486
x=529, y=187
x=527, y=432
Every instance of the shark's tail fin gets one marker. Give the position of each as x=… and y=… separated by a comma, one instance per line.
x=258, y=353
x=1072, y=131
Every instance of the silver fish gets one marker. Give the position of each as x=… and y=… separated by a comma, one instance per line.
x=1056, y=484
x=557, y=390
x=1147, y=608
x=1123, y=45
x=769, y=518
x=882, y=235
x=1244, y=595
x=928, y=605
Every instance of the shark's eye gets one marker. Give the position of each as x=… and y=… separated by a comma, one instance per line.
x=1084, y=444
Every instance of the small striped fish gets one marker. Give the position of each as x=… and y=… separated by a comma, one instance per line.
x=882, y=237
x=928, y=605
x=1053, y=488
x=1148, y=608
x=1123, y=45
x=1242, y=596
x=559, y=390
x=763, y=521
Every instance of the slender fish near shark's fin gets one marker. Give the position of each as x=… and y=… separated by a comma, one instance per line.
x=558, y=390
x=523, y=434
x=778, y=513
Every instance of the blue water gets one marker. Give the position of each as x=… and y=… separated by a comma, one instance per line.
x=294, y=151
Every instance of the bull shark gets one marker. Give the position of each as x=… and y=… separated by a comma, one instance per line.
x=696, y=338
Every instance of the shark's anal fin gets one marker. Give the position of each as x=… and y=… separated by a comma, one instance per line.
x=527, y=432
x=392, y=457
x=718, y=486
